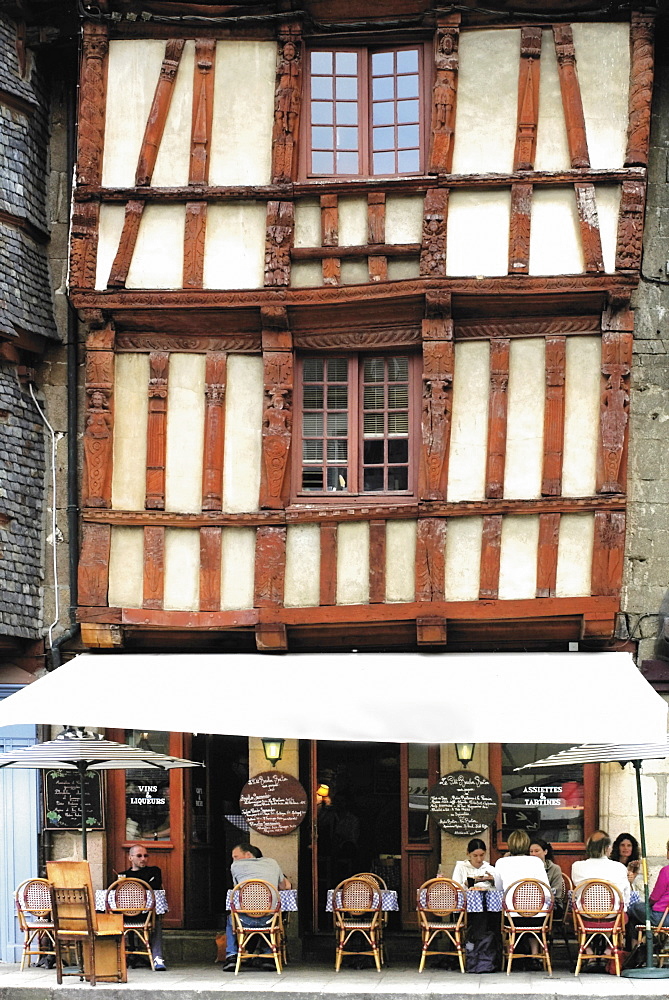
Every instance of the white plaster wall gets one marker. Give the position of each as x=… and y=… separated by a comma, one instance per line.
x=109, y=235
x=158, y=260
x=463, y=558
x=603, y=64
x=131, y=410
x=552, y=146
x=574, y=563
x=133, y=71
x=238, y=547
x=303, y=566
x=243, y=433
x=307, y=224
x=581, y=427
x=485, y=122
x=478, y=232
x=354, y=272
x=518, y=556
x=555, y=238
x=403, y=270
x=404, y=218
x=234, y=251
x=400, y=560
x=353, y=563
x=185, y=433
x=352, y=222
x=242, y=128
x=306, y=274
x=525, y=419
x=126, y=568
x=173, y=160
x=469, y=422
x=608, y=206
x=182, y=569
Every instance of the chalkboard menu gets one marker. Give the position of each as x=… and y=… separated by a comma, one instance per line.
x=62, y=801
x=273, y=803
x=463, y=803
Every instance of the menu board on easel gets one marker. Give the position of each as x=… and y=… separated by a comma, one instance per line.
x=464, y=803
x=273, y=803
x=62, y=801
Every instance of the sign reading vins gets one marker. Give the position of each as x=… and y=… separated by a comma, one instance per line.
x=463, y=803
x=273, y=803
x=62, y=801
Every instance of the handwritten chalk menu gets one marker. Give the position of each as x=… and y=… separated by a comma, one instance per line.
x=62, y=801
x=463, y=803
x=273, y=803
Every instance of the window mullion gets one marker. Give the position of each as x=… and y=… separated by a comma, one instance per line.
x=354, y=423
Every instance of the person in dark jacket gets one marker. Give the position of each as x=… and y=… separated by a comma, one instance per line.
x=152, y=875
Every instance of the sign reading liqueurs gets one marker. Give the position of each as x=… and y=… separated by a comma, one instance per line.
x=273, y=803
x=463, y=803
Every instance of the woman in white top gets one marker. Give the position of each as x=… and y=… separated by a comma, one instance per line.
x=520, y=864
x=474, y=869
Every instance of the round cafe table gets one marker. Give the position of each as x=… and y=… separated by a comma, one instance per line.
x=288, y=900
x=389, y=900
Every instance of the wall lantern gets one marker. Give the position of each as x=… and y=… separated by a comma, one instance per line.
x=273, y=749
x=465, y=752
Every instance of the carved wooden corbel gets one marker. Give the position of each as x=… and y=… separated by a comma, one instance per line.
x=444, y=95
x=287, y=103
x=438, y=366
x=99, y=420
x=641, y=88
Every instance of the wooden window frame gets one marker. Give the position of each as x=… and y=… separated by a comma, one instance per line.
x=364, y=53
x=355, y=426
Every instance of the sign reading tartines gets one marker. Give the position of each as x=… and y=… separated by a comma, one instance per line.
x=273, y=803
x=463, y=803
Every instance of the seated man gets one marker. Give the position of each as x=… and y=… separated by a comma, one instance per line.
x=152, y=875
x=248, y=862
x=598, y=864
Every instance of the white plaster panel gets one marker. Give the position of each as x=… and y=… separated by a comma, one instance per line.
x=487, y=105
x=478, y=232
x=234, y=252
x=131, y=411
x=353, y=563
x=404, y=218
x=402, y=270
x=574, y=562
x=307, y=223
x=238, y=547
x=182, y=569
x=518, y=556
x=303, y=566
x=581, y=425
x=463, y=558
x=185, y=433
x=552, y=145
x=555, y=238
x=159, y=252
x=306, y=274
x=173, y=159
x=245, y=73
x=603, y=66
x=133, y=71
x=469, y=421
x=243, y=432
x=525, y=419
x=400, y=560
x=354, y=272
x=126, y=568
x=109, y=236
x=352, y=222
x=608, y=206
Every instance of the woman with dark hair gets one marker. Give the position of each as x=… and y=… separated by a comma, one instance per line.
x=474, y=870
x=543, y=850
x=625, y=849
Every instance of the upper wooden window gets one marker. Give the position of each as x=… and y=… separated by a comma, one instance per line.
x=366, y=114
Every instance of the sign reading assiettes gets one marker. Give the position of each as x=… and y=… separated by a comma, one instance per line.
x=273, y=803
x=463, y=803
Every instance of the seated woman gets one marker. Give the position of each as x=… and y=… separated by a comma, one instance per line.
x=474, y=869
x=519, y=864
x=625, y=849
x=659, y=900
x=541, y=849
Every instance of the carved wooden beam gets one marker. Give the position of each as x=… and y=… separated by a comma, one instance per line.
x=519, y=228
x=270, y=566
x=276, y=428
x=287, y=103
x=328, y=571
x=214, y=431
x=376, y=226
x=586, y=205
x=195, y=231
x=360, y=252
x=571, y=95
x=608, y=557
x=84, y=245
x=157, y=430
x=497, y=409
x=641, y=88
x=126, y=247
x=614, y=412
x=547, y=554
x=630, y=226
x=154, y=568
x=92, y=101
x=93, y=576
x=528, y=98
x=330, y=238
x=433, y=248
x=430, y=559
x=271, y=638
x=210, y=569
x=279, y=238
x=377, y=562
x=160, y=106
x=99, y=420
x=431, y=632
x=203, y=110
x=551, y=477
x=490, y=553
x=444, y=95
x=438, y=366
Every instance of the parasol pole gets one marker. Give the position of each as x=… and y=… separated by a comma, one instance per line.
x=82, y=767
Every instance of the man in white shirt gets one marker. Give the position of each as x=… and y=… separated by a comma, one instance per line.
x=598, y=864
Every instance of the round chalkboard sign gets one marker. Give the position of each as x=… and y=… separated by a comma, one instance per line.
x=463, y=803
x=273, y=803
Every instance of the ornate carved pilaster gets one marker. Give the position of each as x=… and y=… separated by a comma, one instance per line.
x=519, y=228
x=528, y=99
x=214, y=431
x=203, y=109
x=433, y=246
x=157, y=430
x=444, y=95
x=588, y=218
x=99, y=420
x=84, y=245
x=571, y=95
x=497, y=409
x=438, y=364
x=430, y=559
x=630, y=226
x=287, y=103
x=92, y=95
x=641, y=88
x=154, y=567
x=279, y=242
x=614, y=411
x=276, y=427
x=160, y=106
x=551, y=478
x=491, y=544
x=195, y=231
x=93, y=575
x=270, y=566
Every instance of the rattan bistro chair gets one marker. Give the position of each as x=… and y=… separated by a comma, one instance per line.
x=356, y=909
x=33, y=908
x=134, y=899
x=660, y=937
x=442, y=909
x=257, y=899
x=599, y=912
x=527, y=910
x=382, y=886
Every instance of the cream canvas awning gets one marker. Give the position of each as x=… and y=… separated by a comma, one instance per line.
x=382, y=697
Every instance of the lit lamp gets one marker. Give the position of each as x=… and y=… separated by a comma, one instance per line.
x=323, y=790
x=273, y=749
x=465, y=752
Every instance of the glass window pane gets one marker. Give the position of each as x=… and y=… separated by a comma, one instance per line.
x=337, y=424
x=398, y=450
x=337, y=397
x=373, y=370
x=407, y=86
x=337, y=478
x=398, y=396
x=321, y=62
x=312, y=424
x=347, y=63
x=408, y=161
x=337, y=370
x=383, y=63
x=321, y=87
x=383, y=138
x=147, y=792
x=373, y=480
x=312, y=369
x=408, y=111
x=322, y=163
x=418, y=780
x=373, y=452
x=550, y=799
x=384, y=163
x=347, y=88
x=347, y=163
x=312, y=451
x=407, y=136
x=321, y=112
x=398, y=479
x=321, y=137
x=347, y=138
x=407, y=61
x=347, y=113
x=337, y=451
x=312, y=479
x=373, y=425
x=383, y=88
x=398, y=369
x=313, y=397
x=373, y=397
x=398, y=423
x=384, y=113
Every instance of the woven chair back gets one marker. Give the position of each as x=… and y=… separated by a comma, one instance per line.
x=34, y=897
x=256, y=897
x=356, y=895
x=130, y=896
x=598, y=899
x=567, y=882
x=529, y=898
x=373, y=878
x=441, y=895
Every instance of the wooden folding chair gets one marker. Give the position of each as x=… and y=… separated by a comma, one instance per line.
x=135, y=900
x=524, y=901
x=257, y=899
x=73, y=923
x=33, y=909
x=599, y=913
x=442, y=909
x=356, y=909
